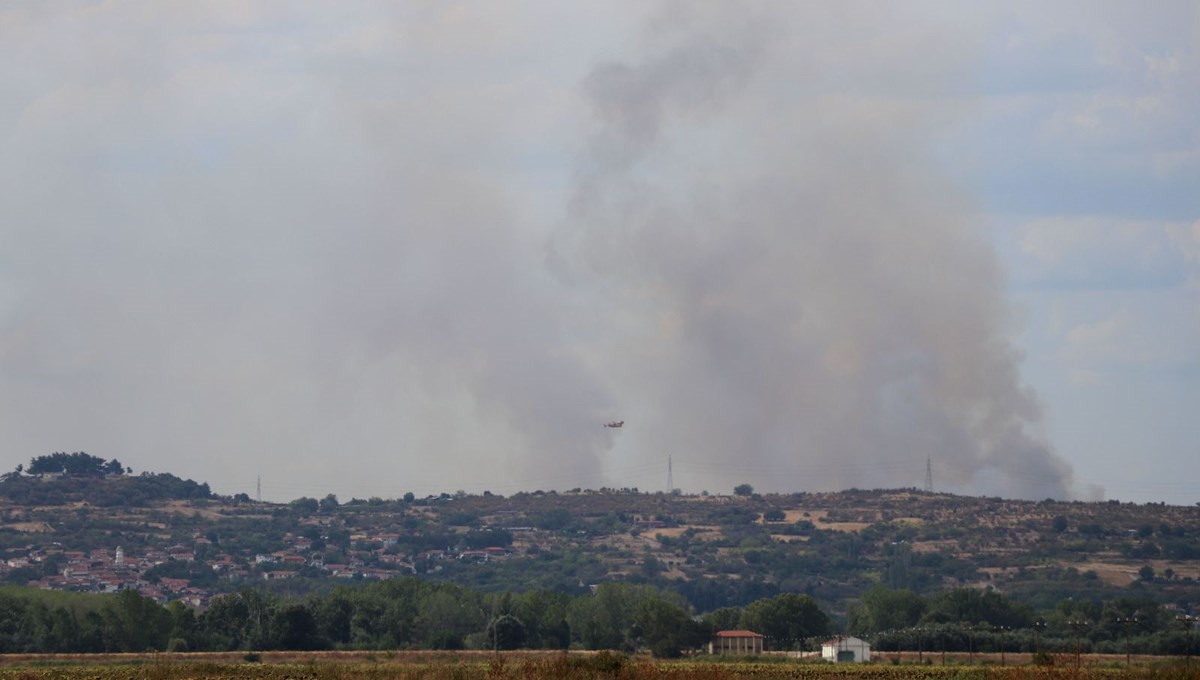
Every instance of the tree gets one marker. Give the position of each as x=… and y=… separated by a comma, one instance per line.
x=725, y=618
x=662, y=626
x=544, y=613
x=294, y=627
x=305, y=505
x=885, y=609
x=447, y=615
x=774, y=515
x=743, y=490
x=334, y=614
x=607, y=619
x=506, y=632
x=329, y=503
x=78, y=463
x=183, y=626
x=136, y=624
x=786, y=619
x=967, y=605
x=553, y=520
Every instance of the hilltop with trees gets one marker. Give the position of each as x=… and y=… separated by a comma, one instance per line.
x=869, y=561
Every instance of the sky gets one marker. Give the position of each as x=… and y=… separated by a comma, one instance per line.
x=367, y=248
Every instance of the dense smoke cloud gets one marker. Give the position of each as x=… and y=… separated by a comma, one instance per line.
x=811, y=307
x=352, y=272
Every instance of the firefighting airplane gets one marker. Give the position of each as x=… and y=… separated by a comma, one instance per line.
x=615, y=424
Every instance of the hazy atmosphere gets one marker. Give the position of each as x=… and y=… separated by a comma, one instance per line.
x=369, y=248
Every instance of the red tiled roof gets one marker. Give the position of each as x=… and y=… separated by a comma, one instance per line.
x=738, y=633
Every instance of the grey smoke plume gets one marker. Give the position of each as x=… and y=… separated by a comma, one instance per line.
x=807, y=304
x=236, y=245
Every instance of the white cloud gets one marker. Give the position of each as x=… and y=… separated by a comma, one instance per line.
x=1187, y=239
x=1097, y=252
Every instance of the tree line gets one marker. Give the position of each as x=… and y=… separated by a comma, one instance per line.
x=413, y=613
x=974, y=620
x=407, y=613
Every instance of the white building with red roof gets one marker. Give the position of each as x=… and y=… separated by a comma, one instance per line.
x=736, y=642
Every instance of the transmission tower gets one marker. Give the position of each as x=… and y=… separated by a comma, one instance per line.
x=928, y=474
x=258, y=488
x=670, y=478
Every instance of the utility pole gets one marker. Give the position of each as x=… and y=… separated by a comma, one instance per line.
x=1038, y=626
x=1076, y=626
x=1129, y=622
x=670, y=478
x=1002, y=630
x=1189, y=623
x=258, y=489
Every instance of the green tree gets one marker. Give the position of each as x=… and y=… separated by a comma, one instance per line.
x=183, y=625
x=666, y=628
x=787, y=620
x=293, y=626
x=334, y=614
x=78, y=463
x=136, y=624
x=885, y=609
x=446, y=616
x=506, y=632
x=725, y=618
x=544, y=613
x=305, y=505
x=743, y=490
x=967, y=605
x=553, y=520
x=605, y=620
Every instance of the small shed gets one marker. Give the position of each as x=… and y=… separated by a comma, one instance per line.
x=846, y=649
x=740, y=642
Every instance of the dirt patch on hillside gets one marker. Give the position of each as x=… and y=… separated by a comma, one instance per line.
x=699, y=532
x=947, y=545
x=186, y=508
x=818, y=518
x=1112, y=574
x=30, y=527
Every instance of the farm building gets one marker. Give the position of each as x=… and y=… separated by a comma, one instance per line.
x=742, y=642
x=844, y=649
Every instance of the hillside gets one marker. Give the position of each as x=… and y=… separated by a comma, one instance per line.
x=180, y=542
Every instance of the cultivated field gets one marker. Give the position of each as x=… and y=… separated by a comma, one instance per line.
x=551, y=666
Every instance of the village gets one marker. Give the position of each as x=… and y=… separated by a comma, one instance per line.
x=110, y=571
